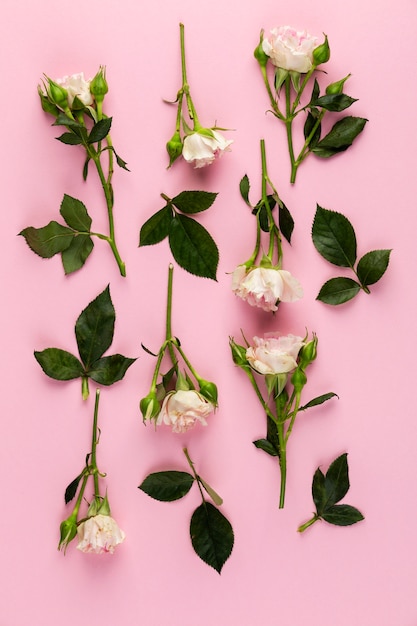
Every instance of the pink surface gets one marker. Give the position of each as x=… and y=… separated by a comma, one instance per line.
x=364, y=574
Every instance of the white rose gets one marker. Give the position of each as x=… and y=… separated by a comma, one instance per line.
x=274, y=354
x=290, y=49
x=202, y=150
x=181, y=409
x=99, y=533
x=76, y=85
x=265, y=287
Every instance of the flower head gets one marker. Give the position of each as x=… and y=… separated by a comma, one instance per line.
x=99, y=533
x=181, y=409
x=78, y=87
x=290, y=50
x=202, y=148
x=265, y=287
x=274, y=354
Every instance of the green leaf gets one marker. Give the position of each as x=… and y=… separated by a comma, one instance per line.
x=211, y=535
x=342, y=515
x=49, y=240
x=100, y=130
x=85, y=168
x=110, y=369
x=336, y=481
x=94, y=328
x=308, y=128
x=120, y=162
x=334, y=102
x=74, y=257
x=334, y=237
x=194, y=201
x=64, y=120
x=156, y=228
x=70, y=139
x=244, y=187
x=213, y=494
x=315, y=92
x=338, y=290
x=340, y=137
x=71, y=490
x=286, y=222
x=75, y=214
x=319, y=491
x=318, y=400
x=167, y=486
x=372, y=266
x=266, y=446
x=59, y=364
x=193, y=247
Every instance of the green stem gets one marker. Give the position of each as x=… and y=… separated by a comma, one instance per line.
x=300, y=92
x=80, y=495
x=94, y=448
x=293, y=416
x=310, y=522
x=282, y=452
x=168, y=323
x=272, y=100
x=288, y=125
x=85, y=392
x=185, y=86
x=274, y=233
x=197, y=479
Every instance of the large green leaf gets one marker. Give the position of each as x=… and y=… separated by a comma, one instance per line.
x=338, y=290
x=244, y=187
x=334, y=237
x=167, y=486
x=156, y=228
x=71, y=490
x=372, y=266
x=193, y=247
x=342, y=515
x=75, y=214
x=110, y=369
x=340, y=137
x=49, y=240
x=286, y=222
x=100, y=130
x=334, y=102
x=59, y=364
x=194, y=201
x=94, y=328
x=337, y=480
x=74, y=257
x=211, y=535
x=319, y=490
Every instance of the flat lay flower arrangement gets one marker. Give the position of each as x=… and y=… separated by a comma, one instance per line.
x=277, y=365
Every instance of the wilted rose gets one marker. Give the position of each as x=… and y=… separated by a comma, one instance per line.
x=274, y=354
x=289, y=49
x=181, y=409
x=265, y=287
x=76, y=85
x=202, y=150
x=98, y=534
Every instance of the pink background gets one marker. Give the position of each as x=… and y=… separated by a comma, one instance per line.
x=330, y=576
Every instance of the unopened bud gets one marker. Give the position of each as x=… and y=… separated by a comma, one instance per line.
x=98, y=85
x=298, y=380
x=308, y=353
x=337, y=87
x=238, y=354
x=321, y=54
x=68, y=530
x=259, y=53
x=57, y=95
x=174, y=148
x=209, y=391
x=150, y=407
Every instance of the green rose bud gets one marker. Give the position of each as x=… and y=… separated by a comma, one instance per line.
x=68, y=530
x=321, y=54
x=208, y=390
x=336, y=88
x=259, y=53
x=57, y=94
x=99, y=86
x=150, y=407
x=47, y=105
x=298, y=380
x=308, y=353
x=238, y=354
x=174, y=148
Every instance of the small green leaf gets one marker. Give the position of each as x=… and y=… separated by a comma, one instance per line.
x=156, y=228
x=308, y=129
x=244, y=187
x=334, y=237
x=59, y=364
x=318, y=400
x=334, y=102
x=193, y=247
x=94, y=328
x=286, y=222
x=319, y=491
x=211, y=535
x=315, y=92
x=64, y=120
x=74, y=257
x=75, y=214
x=71, y=490
x=194, y=201
x=49, y=240
x=336, y=481
x=85, y=168
x=372, y=266
x=340, y=137
x=70, y=139
x=121, y=163
x=167, y=486
x=218, y=501
x=110, y=369
x=266, y=446
x=100, y=130
x=338, y=290
x=342, y=515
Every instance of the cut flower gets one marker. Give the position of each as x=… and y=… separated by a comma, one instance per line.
x=76, y=86
x=202, y=149
x=265, y=287
x=99, y=534
x=183, y=408
x=274, y=353
x=290, y=50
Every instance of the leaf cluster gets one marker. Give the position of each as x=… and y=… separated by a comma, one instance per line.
x=335, y=239
x=192, y=246
x=211, y=533
x=94, y=330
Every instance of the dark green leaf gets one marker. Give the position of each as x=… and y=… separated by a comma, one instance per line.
x=64, y=120
x=318, y=400
x=315, y=92
x=156, y=228
x=85, y=168
x=49, y=240
x=74, y=257
x=211, y=535
x=308, y=129
x=337, y=480
x=59, y=364
x=340, y=137
x=372, y=266
x=244, y=187
x=334, y=102
x=319, y=491
x=71, y=490
x=75, y=214
x=338, y=290
x=266, y=446
x=286, y=222
x=194, y=201
x=121, y=163
x=167, y=486
x=94, y=328
x=193, y=247
x=70, y=139
x=110, y=369
x=334, y=237
x=100, y=130
x=342, y=515
x=263, y=219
